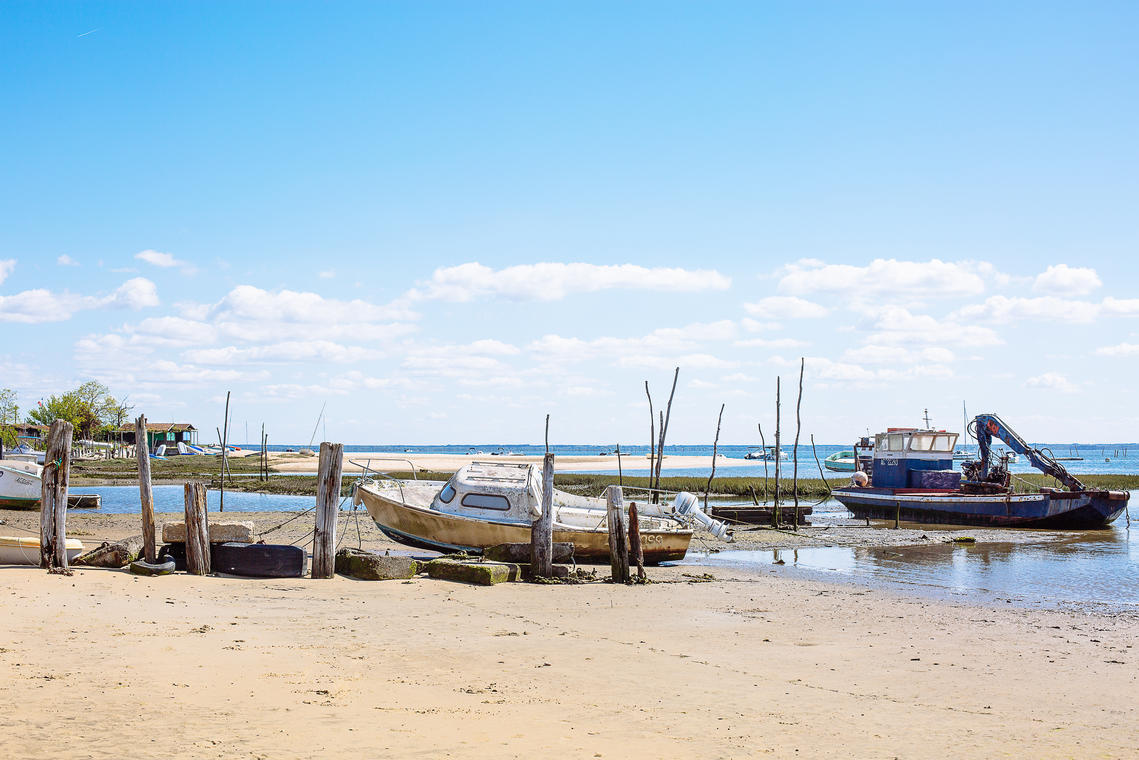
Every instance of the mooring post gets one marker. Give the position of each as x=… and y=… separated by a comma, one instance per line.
x=327, y=501
x=618, y=535
x=197, y=529
x=542, y=529
x=145, y=494
x=898, y=515
x=636, y=554
x=53, y=497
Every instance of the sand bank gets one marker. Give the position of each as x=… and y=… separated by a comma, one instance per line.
x=745, y=664
x=451, y=462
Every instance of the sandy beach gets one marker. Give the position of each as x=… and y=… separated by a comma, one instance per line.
x=703, y=662
x=288, y=462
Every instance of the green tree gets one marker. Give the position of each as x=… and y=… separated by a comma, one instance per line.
x=90, y=408
x=9, y=415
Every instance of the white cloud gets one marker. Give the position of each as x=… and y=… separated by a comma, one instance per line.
x=1051, y=381
x=66, y=261
x=1120, y=349
x=165, y=260
x=327, y=274
x=769, y=343
x=894, y=355
x=894, y=325
x=1065, y=280
x=554, y=281
x=898, y=281
x=827, y=370
x=665, y=347
x=40, y=305
x=785, y=307
x=1121, y=307
x=283, y=352
x=6, y=267
x=1005, y=309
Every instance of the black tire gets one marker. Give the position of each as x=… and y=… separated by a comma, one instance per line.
x=142, y=567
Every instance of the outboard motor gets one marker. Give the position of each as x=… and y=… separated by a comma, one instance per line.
x=687, y=506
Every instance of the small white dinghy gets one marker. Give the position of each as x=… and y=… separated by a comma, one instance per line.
x=25, y=550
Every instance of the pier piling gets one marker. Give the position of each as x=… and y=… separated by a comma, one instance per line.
x=197, y=529
x=618, y=535
x=145, y=494
x=542, y=529
x=53, y=498
x=327, y=501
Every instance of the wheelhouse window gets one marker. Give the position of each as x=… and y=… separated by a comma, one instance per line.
x=447, y=494
x=921, y=442
x=486, y=501
x=944, y=442
x=895, y=442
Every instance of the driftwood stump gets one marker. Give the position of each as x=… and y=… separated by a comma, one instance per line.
x=145, y=494
x=542, y=529
x=618, y=535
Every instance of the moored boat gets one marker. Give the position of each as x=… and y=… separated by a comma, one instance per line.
x=911, y=478
x=25, y=550
x=490, y=503
x=768, y=453
x=21, y=484
x=840, y=461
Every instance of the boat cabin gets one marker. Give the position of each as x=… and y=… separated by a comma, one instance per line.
x=914, y=458
x=499, y=491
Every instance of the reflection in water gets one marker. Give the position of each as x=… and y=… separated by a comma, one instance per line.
x=1099, y=568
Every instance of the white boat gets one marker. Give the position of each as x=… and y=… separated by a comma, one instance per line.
x=766, y=453
x=25, y=550
x=490, y=503
x=21, y=484
x=25, y=453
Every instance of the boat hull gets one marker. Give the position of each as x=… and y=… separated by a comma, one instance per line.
x=439, y=531
x=1076, y=510
x=25, y=550
x=19, y=487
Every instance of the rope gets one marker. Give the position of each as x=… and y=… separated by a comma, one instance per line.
x=286, y=522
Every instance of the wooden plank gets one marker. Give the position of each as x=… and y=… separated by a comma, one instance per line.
x=327, y=501
x=618, y=535
x=53, y=497
x=145, y=493
x=542, y=529
x=197, y=530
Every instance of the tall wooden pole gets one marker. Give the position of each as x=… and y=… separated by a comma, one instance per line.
x=715, y=450
x=652, y=438
x=542, y=529
x=327, y=500
x=197, y=529
x=618, y=535
x=798, y=425
x=224, y=457
x=53, y=497
x=763, y=445
x=778, y=449
x=145, y=494
x=664, y=427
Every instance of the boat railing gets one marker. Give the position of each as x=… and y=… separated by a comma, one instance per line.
x=367, y=472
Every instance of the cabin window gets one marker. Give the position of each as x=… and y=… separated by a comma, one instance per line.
x=447, y=494
x=895, y=442
x=921, y=442
x=944, y=442
x=486, y=501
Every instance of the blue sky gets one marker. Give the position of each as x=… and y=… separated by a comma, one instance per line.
x=447, y=219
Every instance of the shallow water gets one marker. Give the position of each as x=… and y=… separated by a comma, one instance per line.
x=1089, y=570
x=124, y=500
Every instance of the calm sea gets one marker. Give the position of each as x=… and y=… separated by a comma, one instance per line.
x=1106, y=458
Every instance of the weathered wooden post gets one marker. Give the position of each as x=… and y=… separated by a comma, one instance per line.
x=542, y=529
x=145, y=494
x=224, y=456
x=618, y=535
x=798, y=425
x=197, y=529
x=897, y=515
x=327, y=500
x=53, y=497
x=636, y=554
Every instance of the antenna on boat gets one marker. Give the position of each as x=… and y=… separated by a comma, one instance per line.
x=316, y=427
x=927, y=427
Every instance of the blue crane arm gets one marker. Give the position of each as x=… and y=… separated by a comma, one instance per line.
x=989, y=425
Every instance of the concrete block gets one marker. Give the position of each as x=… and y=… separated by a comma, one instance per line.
x=561, y=572
x=563, y=552
x=220, y=532
x=477, y=573
x=375, y=567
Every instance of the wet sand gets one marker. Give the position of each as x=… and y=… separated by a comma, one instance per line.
x=728, y=664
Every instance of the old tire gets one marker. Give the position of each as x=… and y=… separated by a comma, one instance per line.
x=259, y=560
x=142, y=567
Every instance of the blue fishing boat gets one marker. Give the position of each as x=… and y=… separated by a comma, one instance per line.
x=911, y=478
